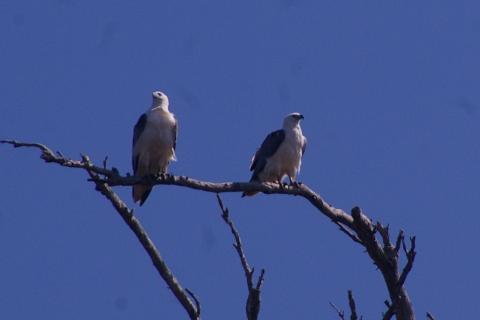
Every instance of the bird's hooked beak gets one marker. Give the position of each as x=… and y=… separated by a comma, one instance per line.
x=301, y=117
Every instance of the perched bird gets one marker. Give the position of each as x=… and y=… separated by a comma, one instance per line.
x=154, y=143
x=280, y=153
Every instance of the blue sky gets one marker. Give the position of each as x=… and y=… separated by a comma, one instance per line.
x=390, y=95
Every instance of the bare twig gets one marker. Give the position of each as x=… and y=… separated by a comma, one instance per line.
x=411, y=253
x=384, y=233
x=197, y=303
x=105, y=162
x=353, y=308
x=390, y=311
x=238, y=243
x=260, y=280
x=348, y=232
x=340, y=313
x=429, y=316
x=399, y=241
x=253, y=301
x=49, y=156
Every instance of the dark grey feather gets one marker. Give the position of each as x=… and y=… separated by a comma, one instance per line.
x=267, y=149
x=175, y=134
x=137, y=132
x=145, y=196
x=304, y=147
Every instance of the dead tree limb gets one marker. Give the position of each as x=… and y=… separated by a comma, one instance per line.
x=127, y=215
x=252, y=306
x=356, y=225
x=193, y=310
x=385, y=257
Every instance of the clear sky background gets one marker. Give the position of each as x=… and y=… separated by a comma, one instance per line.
x=390, y=94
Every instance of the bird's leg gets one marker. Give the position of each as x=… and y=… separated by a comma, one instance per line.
x=282, y=186
x=152, y=178
x=293, y=183
x=159, y=175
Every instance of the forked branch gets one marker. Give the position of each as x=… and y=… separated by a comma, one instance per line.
x=193, y=309
x=253, y=301
x=351, y=304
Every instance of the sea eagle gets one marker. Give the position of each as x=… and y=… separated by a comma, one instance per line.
x=280, y=154
x=154, y=143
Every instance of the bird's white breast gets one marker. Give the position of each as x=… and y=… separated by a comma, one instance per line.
x=155, y=145
x=287, y=159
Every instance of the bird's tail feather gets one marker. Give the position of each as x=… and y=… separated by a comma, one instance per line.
x=140, y=193
x=249, y=193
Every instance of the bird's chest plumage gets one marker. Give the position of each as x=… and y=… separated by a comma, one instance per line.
x=155, y=145
x=287, y=159
x=159, y=130
x=291, y=149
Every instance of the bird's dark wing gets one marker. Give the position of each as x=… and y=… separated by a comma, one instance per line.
x=137, y=132
x=304, y=147
x=175, y=134
x=267, y=149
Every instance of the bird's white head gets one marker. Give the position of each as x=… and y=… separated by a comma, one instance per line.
x=160, y=100
x=292, y=120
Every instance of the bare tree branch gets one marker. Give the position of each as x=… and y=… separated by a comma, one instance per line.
x=253, y=301
x=399, y=241
x=386, y=259
x=356, y=225
x=353, y=308
x=197, y=303
x=142, y=236
x=260, y=280
x=429, y=316
x=410, y=254
x=148, y=245
x=49, y=156
x=351, y=304
x=348, y=232
x=390, y=311
x=113, y=178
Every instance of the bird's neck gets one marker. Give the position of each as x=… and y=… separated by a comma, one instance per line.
x=291, y=127
x=159, y=107
x=293, y=131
